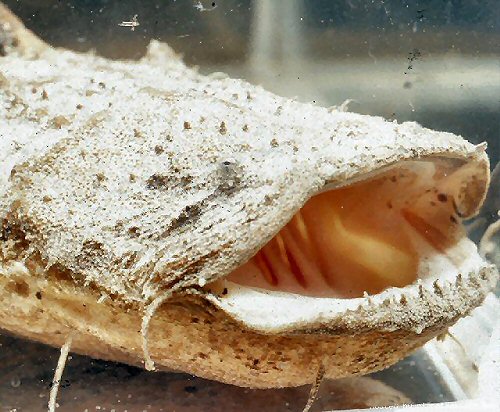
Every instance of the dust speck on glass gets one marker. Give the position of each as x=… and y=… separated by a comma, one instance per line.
x=436, y=62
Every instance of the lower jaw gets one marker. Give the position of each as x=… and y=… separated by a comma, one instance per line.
x=187, y=336
x=443, y=293
x=197, y=334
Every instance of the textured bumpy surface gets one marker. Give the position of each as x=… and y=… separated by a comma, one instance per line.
x=122, y=180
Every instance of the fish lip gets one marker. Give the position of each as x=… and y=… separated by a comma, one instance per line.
x=435, y=302
x=479, y=160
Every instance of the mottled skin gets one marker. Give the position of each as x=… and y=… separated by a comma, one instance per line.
x=123, y=180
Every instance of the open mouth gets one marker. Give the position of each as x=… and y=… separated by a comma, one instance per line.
x=367, y=236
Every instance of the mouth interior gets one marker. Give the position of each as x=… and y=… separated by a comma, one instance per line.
x=364, y=237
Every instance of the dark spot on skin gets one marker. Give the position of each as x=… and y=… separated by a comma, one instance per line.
x=407, y=85
x=224, y=292
x=187, y=125
x=268, y=200
x=186, y=180
x=394, y=179
x=137, y=133
x=194, y=320
x=45, y=95
x=453, y=219
x=156, y=182
x=245, y=128
x=133, y=231
x=20, y=287
x=102, y=85
x=230, y=176
x=159, y=149
x=58, y=272
x=222, y=128
x=389, y=204
x=442, y=197
x=189, y=213
x=128, y=261
x=38, y=295
x=79, y=106
x=213, y=4
x=255, y=362
x=274, y=143
x=191, y=389
x=59, y=122
x=132, y=177
x=432, y=203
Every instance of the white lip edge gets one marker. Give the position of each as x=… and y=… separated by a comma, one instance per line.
x=439, y=298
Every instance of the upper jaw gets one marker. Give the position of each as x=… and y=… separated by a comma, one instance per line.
x=210, y=200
